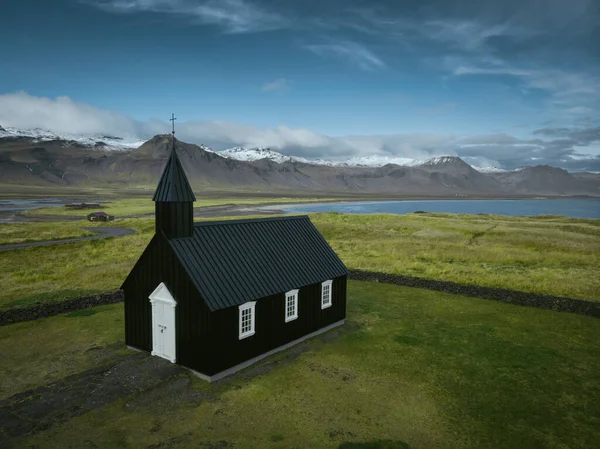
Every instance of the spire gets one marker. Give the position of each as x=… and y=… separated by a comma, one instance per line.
x=173, y=186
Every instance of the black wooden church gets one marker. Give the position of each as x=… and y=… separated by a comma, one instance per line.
x=218, y=296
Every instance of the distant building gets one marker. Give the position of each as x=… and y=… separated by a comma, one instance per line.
x=100, y=216
x=82, y=205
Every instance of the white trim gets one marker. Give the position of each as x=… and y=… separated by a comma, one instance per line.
x=168, y=343
x=247, y=306
x=161, y=293
x=324, y=284
x=247, y=363
x=291, y=294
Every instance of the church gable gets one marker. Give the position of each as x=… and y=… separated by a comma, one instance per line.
x=151, y=260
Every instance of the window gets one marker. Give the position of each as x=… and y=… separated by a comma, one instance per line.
x=247, y=319
x=326, y=294
x=291, y=305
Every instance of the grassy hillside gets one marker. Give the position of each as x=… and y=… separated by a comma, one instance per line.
x=552, y=255
x=410, y=369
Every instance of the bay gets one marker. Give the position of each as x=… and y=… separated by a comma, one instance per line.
x=573, y=207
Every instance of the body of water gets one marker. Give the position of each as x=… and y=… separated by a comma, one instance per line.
x=576, y=208
x=10, y=207
x=16, y=205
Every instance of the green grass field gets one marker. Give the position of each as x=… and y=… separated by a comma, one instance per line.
x=545, y=254
x=20, y=233
x=410, y=369
x=552, y=255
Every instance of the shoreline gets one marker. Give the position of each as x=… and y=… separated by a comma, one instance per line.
x=265, y=208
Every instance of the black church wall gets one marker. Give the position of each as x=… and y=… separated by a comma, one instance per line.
x=271, y=330
x=159, y=264
x=175, y=219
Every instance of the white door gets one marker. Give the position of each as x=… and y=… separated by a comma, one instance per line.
x=163, y=323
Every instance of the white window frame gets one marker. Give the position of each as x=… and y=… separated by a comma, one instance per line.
x=291, y=294
x=242, y=308
x=329, y=283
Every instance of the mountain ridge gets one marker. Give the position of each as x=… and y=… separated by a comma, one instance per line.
x=28, y=160
x=112, y=143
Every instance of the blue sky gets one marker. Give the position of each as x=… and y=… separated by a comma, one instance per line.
x=324, y=78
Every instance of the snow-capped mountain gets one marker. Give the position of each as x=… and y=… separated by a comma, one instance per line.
x=372, y=161
x=254, y=154
x=489, y=169
x=440, y=160
x=377, y=161
x=39, y=158
x=94, y=141
x=111, y=143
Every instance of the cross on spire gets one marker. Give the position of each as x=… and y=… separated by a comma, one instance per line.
x=172, y=120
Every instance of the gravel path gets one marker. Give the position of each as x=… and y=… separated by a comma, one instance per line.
x=38, y=409
x=102, y=233
x=144, y=383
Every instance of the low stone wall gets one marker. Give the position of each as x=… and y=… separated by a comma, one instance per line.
x=35, y=311
x=561, y=304
x=579, y=306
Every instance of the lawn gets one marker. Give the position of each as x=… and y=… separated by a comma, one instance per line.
x=552, y=255
x=49, y=273
x=41, y=231
x=411, y=368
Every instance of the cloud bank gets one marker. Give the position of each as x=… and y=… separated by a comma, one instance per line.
x=575, y=149
x=62, y=115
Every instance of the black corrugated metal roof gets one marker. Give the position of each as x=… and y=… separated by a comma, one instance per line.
x=173, y=185
x=235, y=261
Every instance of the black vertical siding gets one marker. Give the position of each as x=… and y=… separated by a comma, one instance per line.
x=175, y=219
x=208, y=342
x=159, y=264
x=271, y=330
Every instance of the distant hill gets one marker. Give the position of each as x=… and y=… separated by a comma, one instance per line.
x=105, y=161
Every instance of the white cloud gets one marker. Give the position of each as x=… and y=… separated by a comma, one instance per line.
x=229, y=134
x=234, y=16
x=467, y=35
x=470, y=70
x=493, y=40
x=568, y=90
x=278, y=85
x=497, y=138
x=350, y=51
x=63, y=115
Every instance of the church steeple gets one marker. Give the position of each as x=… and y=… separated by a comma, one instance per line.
x=174, y=198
